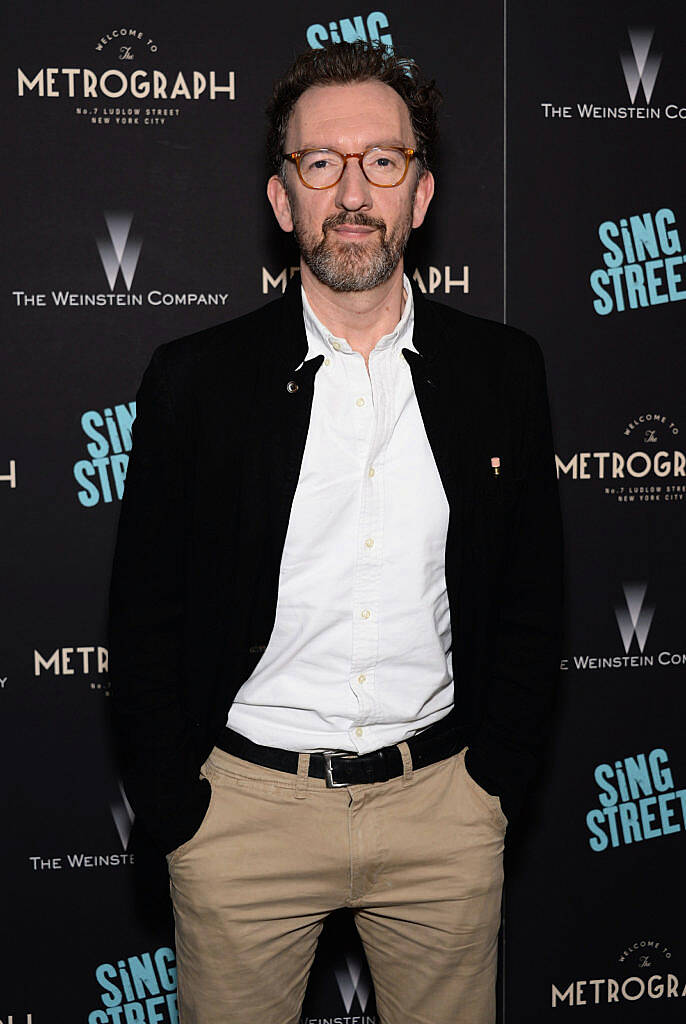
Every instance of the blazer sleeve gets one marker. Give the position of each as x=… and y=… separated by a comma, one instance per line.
x=524, y=662
x=146, y=623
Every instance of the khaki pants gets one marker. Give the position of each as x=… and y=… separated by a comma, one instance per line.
x=419, y=859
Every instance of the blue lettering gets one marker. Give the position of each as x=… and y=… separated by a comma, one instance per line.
x=126, y=981
x=602, y=774
x=173, y=1008
x=164, y=961
x=316, y=36
x=643, y=230
x=353, y=30
x=102, y=974
x=666, y=813
x=119, y=464
x=134, y=1013
x=602, y=305
x=648, y=817
x=611, y=815
x=376, y=21
x=614, y=256
x=635, y=286
x=628, y=816
x=143, y=975
x=662, y=777
x=673, y=278
x=153, y=1014
x=101, y=466
x=90, y=496
x=638, y=776
x=125, y=415
x=669, y=240
x=615, y=275
x=89, y=421
x=654, y=282
x=598, y=841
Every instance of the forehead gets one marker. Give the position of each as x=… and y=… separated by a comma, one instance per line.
x=350, y=116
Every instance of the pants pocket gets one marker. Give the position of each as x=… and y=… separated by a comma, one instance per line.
x=205, y=773
x=489, y=800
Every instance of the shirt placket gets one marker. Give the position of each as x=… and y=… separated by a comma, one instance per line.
x=366, y=609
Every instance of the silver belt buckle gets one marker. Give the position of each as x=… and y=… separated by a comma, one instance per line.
x=330, y=784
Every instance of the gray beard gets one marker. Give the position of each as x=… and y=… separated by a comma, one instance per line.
x=353, y=266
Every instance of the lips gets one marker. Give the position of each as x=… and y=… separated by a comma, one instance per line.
x=354, y=230
x=357, y=229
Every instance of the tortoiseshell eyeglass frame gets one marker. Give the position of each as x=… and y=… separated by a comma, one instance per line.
x=297, y=156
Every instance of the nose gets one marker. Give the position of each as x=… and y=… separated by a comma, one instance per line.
x=353, y=191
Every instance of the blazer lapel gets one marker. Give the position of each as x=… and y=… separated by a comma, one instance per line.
x=292, y=405
x=444, y=383
x=446, y=396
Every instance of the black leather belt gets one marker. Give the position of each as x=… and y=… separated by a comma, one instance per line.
x=434, y=743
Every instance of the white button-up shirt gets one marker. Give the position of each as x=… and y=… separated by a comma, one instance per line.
x=360, y=653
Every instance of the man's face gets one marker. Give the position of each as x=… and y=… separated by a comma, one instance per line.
x=351, y=236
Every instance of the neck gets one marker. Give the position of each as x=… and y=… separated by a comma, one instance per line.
x=362, y=318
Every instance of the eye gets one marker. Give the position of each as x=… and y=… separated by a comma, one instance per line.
x=384, y=160
x=318, y=162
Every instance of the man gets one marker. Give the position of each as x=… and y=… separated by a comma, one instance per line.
x=336, y=593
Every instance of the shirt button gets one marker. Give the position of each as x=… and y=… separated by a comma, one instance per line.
x=327, y=361
x=362, y=678
x=336, y=345
x=369, y=543
x=371, y=472
x=358, y=731
x=365, y=613
x=360, y=402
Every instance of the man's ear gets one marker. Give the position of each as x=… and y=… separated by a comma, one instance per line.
x=278, y=197
x=423, y=196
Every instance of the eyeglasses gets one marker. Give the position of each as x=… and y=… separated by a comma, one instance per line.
x=383, y=166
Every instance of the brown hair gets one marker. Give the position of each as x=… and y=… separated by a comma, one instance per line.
x=342, y=64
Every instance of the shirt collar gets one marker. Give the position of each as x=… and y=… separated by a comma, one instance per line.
x=321, y=340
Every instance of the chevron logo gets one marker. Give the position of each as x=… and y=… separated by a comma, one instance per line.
x=123, y=816
x=640, y=66
x=635, y=619
x=120, y=250
x=352, y=979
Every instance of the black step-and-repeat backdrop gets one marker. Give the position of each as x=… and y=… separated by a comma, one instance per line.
x=136, y=213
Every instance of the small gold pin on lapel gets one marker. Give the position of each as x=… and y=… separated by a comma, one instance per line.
x=495, y=464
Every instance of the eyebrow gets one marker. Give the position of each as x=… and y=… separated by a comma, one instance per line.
x=324, y=145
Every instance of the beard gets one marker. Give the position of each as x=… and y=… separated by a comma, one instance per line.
x=352, y=266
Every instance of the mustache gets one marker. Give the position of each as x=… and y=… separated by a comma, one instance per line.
x=337, y=220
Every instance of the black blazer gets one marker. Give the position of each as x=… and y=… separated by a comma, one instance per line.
x=217, y=447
